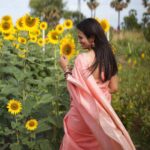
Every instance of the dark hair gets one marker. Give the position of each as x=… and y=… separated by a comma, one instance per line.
x=103, y=52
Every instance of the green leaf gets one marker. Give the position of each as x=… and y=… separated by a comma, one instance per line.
x=44, y=144
x=15, y=146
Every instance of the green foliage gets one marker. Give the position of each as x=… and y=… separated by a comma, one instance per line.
x=131, y=22
x=132, y=100
x=38, y=83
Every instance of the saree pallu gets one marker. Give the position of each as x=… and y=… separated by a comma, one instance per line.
x=91, y=123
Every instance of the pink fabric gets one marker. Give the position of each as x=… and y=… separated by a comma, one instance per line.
x=91, y=123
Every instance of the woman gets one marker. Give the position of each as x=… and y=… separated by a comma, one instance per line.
x=91, y=123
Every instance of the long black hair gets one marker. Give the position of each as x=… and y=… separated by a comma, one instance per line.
x=104, y=57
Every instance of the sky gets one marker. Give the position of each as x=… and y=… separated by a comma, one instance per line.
x=17, y=8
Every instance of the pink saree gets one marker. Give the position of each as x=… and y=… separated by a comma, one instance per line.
x=91, y=123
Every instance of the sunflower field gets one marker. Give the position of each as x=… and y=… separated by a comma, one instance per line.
x=33, y=93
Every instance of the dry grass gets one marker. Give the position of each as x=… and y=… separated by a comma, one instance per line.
x=127, y=35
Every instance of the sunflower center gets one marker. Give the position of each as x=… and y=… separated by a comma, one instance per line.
x=54, y=36
x=60, y=28
x=67, y=49
x=6, y=18
x=20, y=23
x=6, y=26
x=31, y=124
x=30, y=22
x=67, y=23
x=14, y=106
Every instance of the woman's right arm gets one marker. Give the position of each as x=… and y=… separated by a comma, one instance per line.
x=113, y=84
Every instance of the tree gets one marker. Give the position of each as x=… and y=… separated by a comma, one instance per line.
x=130, y=22
x=146, y=4
x=93, y=4
x=146, y=20
x=47, y=10
x=119, y=5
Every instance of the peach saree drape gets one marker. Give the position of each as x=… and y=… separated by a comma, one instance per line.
x=91, y=123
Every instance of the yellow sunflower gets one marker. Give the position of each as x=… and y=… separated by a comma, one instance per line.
x=33, y=38
x=59, y=28
x=22, y=53
x=6, y=27
x=8, y=36
x=36, y=32
x=22, y=40
x=31, y=124
x=30, y=23
x=43, y=25
x=6, y=18
x=142, y=55
x=67, y=46
x=68, y=24
x=14, y=106
x=41, y=42
x=19, y=24
x=105, y=25
x=53, y=36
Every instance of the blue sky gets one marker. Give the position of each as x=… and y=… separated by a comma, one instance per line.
x=17, y=8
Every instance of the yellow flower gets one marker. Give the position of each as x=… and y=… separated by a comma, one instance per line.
x=41, y=42
x=19, y=24
x=53, y=36
x=22, y=53
x=36, y=32
x=68, y=24
x=14, y=106
x=142, y=55
x=8, y=36
x=43, y=25
x=59, y=29
x=6, y=27
x=31, y=124
x=22, y=40
x=7, y=18
x=33, y=38
x=67, y=46
x=119, y=66
x=30, y=23
x=135, y=62
x=105, y=25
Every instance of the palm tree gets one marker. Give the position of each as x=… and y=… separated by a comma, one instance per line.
x=93, y=4
x=119, y=5
x=146, y=4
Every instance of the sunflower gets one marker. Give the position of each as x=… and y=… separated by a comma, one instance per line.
x=8, y=36
x=68, y=24
x=142, y=55
x=22, y=40
x=22, y=53
x=53, y=36
x=33, y=38
x=14, y=106
x=105, y=25
x=6, y=18
x=67, y=46
x=36, y=32
x=19, y=24
x=6, y=27
x=41, y=42
x=31, y=124
x=30, y=23
x=59, y=28
x=43, y=25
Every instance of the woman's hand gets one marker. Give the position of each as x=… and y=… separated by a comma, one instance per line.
x=63, y=61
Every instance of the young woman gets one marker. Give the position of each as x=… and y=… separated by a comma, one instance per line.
x=91, y=123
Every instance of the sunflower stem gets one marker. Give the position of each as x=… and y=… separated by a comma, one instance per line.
x=17, y=132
